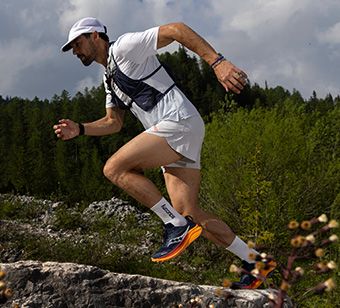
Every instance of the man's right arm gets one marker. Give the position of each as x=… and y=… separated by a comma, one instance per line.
x=112, y=122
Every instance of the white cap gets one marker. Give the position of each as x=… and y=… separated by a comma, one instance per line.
x=85, y=25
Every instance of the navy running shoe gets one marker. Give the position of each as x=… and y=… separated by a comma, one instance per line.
x=250, y=281
x=246, y=278
x=176, y=240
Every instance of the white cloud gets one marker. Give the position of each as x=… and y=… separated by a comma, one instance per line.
x=331, y=35
x=16, y=57
x=87, y=82
x=266, y=15
x=115, y=14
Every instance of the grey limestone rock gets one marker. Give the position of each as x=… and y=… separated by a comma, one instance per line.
x=115, y=207
x=58, y=285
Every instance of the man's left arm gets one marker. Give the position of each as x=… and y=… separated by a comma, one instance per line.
x=230, y=76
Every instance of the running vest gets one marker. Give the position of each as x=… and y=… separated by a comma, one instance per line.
x=145, y=92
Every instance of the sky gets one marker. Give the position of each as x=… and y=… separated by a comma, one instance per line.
x=290, y=43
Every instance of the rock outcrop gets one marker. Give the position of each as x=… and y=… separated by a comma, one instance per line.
x=57, y=285
x=43, y=224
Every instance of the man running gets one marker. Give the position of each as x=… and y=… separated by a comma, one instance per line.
x=135, y=80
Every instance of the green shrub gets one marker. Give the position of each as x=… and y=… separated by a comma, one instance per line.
x=263, y=167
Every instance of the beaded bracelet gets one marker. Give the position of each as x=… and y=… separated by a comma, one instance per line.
x=218, y=60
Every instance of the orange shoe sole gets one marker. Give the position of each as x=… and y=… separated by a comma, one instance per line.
x=192, y=235
x=263, y=275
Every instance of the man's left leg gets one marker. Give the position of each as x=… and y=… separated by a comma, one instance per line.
x=183, y=188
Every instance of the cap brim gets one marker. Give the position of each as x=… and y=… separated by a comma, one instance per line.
x=67, y=46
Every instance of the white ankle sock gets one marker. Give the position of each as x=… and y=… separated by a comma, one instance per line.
x=168, y=214
x=241, y=249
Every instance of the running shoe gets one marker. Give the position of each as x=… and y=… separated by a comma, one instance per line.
x=250, y=281
x=176, y=240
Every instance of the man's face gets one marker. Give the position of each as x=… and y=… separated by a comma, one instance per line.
x=84, y=48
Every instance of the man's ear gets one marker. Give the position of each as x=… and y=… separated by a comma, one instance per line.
x=95, y=35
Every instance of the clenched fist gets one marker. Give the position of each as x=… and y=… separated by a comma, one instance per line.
x=66, y=129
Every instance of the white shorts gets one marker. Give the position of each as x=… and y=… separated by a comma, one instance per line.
x=185, y=137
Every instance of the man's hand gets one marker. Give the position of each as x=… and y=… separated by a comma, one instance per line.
x=66, y=129
x=231, y=77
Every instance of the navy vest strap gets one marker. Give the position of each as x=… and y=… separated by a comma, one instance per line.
x=153, y=73
x=168, y=90
x=119, y=103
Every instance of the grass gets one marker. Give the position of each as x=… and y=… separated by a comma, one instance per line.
x=17, y=211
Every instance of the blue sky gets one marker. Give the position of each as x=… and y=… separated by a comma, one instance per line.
x=295, y=44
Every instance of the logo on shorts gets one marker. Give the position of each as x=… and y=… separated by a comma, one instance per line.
x=166, y=210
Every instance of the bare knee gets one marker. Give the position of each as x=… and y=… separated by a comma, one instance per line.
x=112, y=171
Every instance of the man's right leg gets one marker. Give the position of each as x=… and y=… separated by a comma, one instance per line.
x=145, y=151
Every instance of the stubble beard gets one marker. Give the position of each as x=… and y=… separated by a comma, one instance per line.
x=87, y=60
